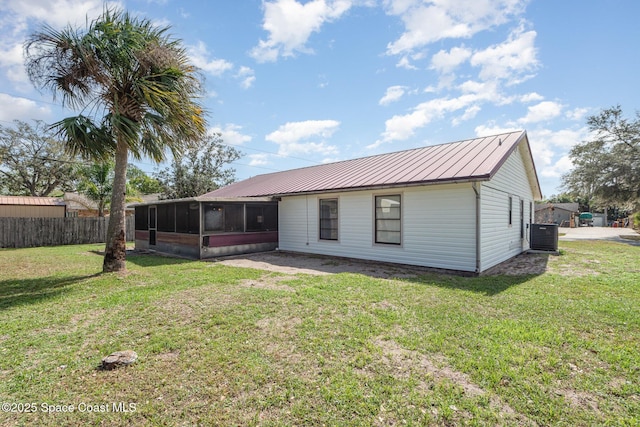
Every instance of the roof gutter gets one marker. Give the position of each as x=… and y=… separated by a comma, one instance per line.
x=478, y=252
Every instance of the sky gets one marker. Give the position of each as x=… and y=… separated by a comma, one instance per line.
x=293, y=83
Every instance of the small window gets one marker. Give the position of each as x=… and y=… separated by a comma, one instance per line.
x=388, y=220
x=329, y=219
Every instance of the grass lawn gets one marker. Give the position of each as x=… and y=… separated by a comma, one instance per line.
x=222, y=345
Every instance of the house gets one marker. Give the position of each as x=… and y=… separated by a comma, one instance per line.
x=32, y=207
x=463, y=206
x=557, y=213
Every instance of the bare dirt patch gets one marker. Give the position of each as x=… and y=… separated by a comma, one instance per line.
x=294, y=263
x=522, y=265
x=580, y=400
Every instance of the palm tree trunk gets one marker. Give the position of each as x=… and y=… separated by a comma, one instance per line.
x=116, y=247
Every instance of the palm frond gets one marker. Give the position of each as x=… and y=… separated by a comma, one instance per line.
x=84, y=138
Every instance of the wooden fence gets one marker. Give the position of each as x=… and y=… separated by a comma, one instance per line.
x=33, y=232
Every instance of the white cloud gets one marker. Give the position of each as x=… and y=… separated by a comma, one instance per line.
x=404, y=63
x=12, y=61
x=473, y=95
x=563, y=139
x=261, y=159
x=199, y=56
x=531, y=97
x=445, y=62
x=541, y=112
x=231, y=134
x=247, y=77
x=469, y=114
x=557, y=169
x=493, y=129
x=512, y=60
x=57, y=13
x=295, y=138
x=577, y=114
x=393, y=94
x=429, y=21
x=13, y=108
x=290, y=24
x=402, y=127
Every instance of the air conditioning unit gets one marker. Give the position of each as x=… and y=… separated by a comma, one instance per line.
x=544, y=237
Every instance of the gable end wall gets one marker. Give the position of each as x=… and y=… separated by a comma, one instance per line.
x=499, y=240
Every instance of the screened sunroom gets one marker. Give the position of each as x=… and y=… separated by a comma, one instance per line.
x=207, y=227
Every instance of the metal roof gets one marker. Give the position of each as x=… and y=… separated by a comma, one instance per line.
x=31, y=201
x=468, y=160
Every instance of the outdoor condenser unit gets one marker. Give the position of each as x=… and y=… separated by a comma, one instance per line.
x=544, y=237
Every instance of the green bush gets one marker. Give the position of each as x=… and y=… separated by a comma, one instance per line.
x=636, y=220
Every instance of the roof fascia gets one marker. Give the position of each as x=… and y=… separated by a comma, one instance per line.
x=530, y=166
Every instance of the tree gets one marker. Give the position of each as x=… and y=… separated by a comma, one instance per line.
x=33, y=161
x=607, y=168
x=96, y=183
x=200, y=170
x=141, y=182
x=137, y=93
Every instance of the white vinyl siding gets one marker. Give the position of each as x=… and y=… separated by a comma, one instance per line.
x=438, y=222
x=438, y=226
x=500, y=222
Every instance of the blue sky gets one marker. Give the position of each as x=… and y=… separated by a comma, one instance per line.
x=296, y=83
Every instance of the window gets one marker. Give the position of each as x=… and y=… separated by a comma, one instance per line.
x=388, y=219
x=224, y=218
x=510, y=210
x=329, y=219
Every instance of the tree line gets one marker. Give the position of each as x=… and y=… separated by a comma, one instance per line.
x=34, y=162
x=606, y=167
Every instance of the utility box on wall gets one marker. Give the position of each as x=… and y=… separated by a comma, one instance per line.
x=544, y=237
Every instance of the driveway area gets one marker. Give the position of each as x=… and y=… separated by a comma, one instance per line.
x=599, y=233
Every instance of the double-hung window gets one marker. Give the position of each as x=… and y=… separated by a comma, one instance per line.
x=388, y=219
x=328, y=219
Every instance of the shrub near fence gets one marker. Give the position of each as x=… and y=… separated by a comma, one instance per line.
x=33, y=232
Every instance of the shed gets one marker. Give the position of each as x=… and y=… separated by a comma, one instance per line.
x=464, y=206
x=32, y=207
x=556, y=213
x=206, y=227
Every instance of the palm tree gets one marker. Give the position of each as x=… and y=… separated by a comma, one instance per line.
x=96, y=183
x=136, y=92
